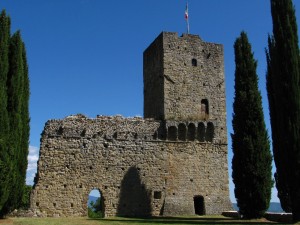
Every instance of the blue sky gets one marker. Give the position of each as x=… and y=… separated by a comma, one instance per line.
x=85, y=56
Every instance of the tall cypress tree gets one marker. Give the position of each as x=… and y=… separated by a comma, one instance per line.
x=4, y=121
x=14, y=117
x=15, y=86
x=283, y=85
x=25, y=118
x=252, y=159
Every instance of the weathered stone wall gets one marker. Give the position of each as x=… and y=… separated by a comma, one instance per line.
x=136, y=173
x=174, y=162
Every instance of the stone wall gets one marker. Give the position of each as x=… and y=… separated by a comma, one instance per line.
x=136, y=173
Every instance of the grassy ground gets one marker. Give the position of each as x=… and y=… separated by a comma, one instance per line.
x=126, y=221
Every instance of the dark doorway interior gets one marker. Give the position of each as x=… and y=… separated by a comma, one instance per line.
x=199, y=205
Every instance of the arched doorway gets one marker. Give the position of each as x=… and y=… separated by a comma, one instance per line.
x=95, y=204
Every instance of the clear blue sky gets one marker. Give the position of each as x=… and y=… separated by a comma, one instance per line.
x=85, y=56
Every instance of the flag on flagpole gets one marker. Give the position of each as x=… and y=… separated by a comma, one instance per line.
x=186, y=14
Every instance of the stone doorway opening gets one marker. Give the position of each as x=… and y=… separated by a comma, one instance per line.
x=95, y=204
x=199, y=205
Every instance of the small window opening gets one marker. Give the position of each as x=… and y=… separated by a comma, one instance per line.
x=204, y=109
x=115, y=136
x=194, y=62
x=83, y=133
x=157, y=195
x=60, y=131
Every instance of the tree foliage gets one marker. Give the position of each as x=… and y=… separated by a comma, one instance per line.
x=252, y=159
x=95, y=210
x=283, y=86
x=14, y=117
x=25, y=203
x=5, y=157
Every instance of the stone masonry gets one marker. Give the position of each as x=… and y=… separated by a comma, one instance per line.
x=172, y=162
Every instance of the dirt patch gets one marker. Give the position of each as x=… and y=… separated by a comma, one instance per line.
x=6, y=221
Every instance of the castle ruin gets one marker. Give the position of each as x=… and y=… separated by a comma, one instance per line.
x=171, y=162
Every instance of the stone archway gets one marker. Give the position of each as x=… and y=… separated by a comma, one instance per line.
x=95, y=204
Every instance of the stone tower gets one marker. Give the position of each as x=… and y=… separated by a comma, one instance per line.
x=184, y=81
x=172, y=162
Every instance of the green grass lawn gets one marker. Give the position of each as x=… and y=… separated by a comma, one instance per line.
x=125, y=221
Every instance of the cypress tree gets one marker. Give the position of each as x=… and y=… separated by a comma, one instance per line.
x=15, y=86
x=25, y=119
x=252, y=159
x=14, y=117
x=5, y=159
x=283, y=85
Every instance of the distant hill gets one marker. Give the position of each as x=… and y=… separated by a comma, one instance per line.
x=274, y=207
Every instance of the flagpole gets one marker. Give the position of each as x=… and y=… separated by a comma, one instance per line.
x=188, y=26
x=187, y=17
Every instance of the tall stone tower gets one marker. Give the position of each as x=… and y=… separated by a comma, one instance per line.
x=184, y=81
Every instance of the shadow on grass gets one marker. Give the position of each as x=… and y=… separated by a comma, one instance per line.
x=185, y=220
